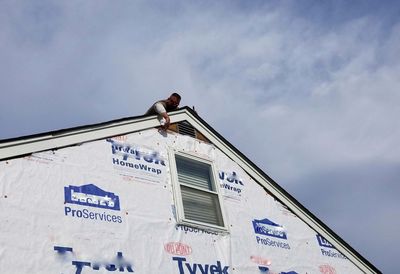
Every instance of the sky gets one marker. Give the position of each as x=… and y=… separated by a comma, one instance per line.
x=307, y=90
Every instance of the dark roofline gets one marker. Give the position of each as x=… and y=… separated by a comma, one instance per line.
x=66, y=130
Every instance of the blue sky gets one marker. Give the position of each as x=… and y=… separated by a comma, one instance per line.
x=308, y=90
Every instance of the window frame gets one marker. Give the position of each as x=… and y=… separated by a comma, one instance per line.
x=179, y=209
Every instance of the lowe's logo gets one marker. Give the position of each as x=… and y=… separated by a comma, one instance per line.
x=269, y=228
x=324, y=242
x=91, y=195
x=331, y=252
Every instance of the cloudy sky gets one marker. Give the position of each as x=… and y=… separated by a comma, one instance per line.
x=308, y=90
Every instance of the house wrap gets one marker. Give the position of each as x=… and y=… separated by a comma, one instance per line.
x=123, y=196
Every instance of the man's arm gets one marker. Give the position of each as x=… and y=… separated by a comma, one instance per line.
x=160, y=109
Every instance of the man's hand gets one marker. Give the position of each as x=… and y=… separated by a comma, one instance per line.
x=167, y=121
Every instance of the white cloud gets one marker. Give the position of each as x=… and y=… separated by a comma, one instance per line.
x=297, y=95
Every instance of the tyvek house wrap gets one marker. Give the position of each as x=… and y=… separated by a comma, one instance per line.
x=125, y=220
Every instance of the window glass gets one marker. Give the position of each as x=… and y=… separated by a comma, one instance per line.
x=194, y=173
x=201, y=206
x=199, y=199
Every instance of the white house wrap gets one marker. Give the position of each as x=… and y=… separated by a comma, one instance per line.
x=109, y=205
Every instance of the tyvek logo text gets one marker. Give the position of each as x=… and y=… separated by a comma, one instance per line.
x=119, y=263
x=194, y=268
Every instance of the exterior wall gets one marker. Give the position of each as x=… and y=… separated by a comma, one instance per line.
x=133, y=227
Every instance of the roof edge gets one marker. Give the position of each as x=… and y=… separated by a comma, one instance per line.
x=25, y=145
x=66, y=130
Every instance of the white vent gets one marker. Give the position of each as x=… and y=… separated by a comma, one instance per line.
x=185, y=128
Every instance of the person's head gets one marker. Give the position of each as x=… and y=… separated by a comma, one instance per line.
x=174, y=100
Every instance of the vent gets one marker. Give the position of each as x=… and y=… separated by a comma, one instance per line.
x=185, y=128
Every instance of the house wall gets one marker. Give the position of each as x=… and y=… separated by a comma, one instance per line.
x=134, y=229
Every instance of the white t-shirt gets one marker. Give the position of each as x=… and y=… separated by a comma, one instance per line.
x=159, y=108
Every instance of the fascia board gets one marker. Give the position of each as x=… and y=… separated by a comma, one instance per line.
x=55, y=141
x=277, y=192
x=26, y=146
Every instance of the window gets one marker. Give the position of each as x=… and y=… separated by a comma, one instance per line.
x=196, y=194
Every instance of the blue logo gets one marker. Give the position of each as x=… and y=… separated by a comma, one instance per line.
x=324, y=242
x=118, y=263
x=266, y=269
x=269, y=228
x=230, y=177
x=195, y=268
x=131, y=151
x=91, y=195
x=231, y=181
x=332, y=252
x=135, y=158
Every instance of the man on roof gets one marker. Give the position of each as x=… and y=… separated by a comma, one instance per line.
x=162, y=107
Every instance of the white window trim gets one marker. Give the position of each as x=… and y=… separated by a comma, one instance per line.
x=180, y=216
